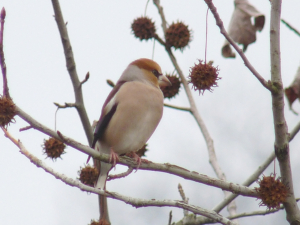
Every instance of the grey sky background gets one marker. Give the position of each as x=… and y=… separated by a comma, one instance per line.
x=237, y=114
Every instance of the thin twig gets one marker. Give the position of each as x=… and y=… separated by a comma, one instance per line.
x=25, y=128
x=153, y=49
x=2, y=58
x=121, y=175
x=159, y=40
x=205, y=220
x=167, y=168
x=219, y=22
x=181, y=192
x=170, y=218
x=177, y=107
x=250, y=180
x=146, y=8
x=206, y=31
x=290, y=26
x=87, y=76
x=129, y=200
x=258, y=213
x=294, y=131
x=66, y=105
x=71, y=66
x=209, y=142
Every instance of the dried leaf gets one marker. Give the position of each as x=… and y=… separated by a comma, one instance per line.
x=241, y=29
x=293, y=91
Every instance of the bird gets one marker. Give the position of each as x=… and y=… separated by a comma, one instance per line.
x=130, y=114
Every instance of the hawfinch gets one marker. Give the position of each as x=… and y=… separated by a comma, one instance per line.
x=130, y=113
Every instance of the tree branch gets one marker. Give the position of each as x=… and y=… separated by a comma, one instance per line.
x=87, y=76
x=209, y=142
x=121, y=175
x=71, y=66
x=2, y=59
x=257, y=213
x=167, y=168
x=280, y=126
x=77, y=87
x=128, y=200
x=177, y=107
x=294, y=132
x=250, y=180
x=219, y=23
x=184, y=198
x=290, y=27
x=66, y=105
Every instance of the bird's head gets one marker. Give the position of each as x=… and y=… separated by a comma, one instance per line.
x=145, y=70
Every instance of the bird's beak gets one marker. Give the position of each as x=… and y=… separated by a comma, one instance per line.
x=164, y=81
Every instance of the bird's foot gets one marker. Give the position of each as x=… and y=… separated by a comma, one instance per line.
x=145, y=161
x=113, y=158
x=136, y=157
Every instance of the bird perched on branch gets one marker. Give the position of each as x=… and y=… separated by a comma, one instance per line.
x=130, y=113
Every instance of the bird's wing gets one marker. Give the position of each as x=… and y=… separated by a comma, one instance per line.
x=108, y=110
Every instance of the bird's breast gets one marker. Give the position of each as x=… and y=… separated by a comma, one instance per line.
x=139, y=110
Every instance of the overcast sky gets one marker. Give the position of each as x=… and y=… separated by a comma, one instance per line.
x=237, y=114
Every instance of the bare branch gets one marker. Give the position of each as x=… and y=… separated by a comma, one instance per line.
x=258, y=213
x=280, y=127
x=121, y=175
x=146, y=7
x=177, y=107
x=219, y=23
x=10, y=137
x=170, y=218
x=255, y=213
x=290, y=26
x=66, y=105
x=159, y=40
x=294, y=132
x=71, y=66
x=25, y=128
x=2, y=59
x=209, y=142
x=167, y=168
x=87, y=76
x=250, y=180
x=181, y=192
x=129, y=200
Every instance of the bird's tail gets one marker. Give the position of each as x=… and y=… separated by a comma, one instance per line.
x=104, y=169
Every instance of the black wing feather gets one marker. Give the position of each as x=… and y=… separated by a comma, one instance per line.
x=102, y=124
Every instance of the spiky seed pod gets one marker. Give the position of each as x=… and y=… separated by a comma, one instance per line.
x=204, y=76
x=178, y=35
x=272, y=191
x=88, y=175
x=7, y=111
x=171, y=91
x=141, y=152
x=143, y=28
x=53, y=148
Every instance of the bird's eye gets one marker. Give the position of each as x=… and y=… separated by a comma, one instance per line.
x=156, y=73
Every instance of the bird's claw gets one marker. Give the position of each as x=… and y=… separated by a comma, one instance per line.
x=113, y=158
x=136, y=157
